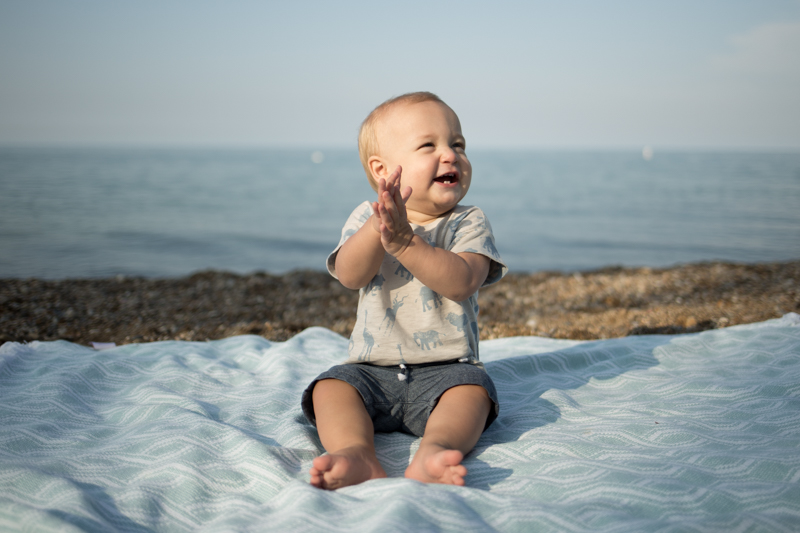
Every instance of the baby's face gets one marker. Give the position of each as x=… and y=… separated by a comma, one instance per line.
x=426, y=140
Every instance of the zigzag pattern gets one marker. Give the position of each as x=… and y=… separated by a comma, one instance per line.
x=694, y=432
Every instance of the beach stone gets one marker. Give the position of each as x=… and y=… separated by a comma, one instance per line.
x=604, y=303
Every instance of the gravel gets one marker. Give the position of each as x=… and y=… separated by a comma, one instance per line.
x=611, y=302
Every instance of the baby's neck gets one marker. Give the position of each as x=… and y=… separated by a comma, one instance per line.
x=423, y=219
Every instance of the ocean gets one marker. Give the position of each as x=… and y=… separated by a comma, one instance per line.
x=84, y=213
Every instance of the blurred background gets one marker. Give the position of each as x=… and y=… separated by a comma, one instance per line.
x=162, y=138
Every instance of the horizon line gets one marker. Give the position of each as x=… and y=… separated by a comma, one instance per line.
x=191, y=146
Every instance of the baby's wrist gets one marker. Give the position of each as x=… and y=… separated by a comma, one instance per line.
x=403, y=248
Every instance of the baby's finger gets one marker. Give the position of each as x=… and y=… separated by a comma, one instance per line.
x=400, y=199
x=395, y=176
x=397, y=198
x=389, y=200
x=386, y=223
x=392, y=208
x=376, y=216
x=385, y=216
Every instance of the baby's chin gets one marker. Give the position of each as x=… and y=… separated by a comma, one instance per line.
x=435, y=209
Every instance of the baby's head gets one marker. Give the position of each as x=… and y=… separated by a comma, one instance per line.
x=419, y=132
x=368, y=142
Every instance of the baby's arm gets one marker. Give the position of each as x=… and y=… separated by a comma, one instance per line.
x=454, y=276
x=360, y=257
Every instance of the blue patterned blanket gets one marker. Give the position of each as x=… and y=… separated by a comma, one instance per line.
x=657, y=433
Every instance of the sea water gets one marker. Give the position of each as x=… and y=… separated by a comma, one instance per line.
x=167, y=212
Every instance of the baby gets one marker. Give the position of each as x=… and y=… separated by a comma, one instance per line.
x=418, y=258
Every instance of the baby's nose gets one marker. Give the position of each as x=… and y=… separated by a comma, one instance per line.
x=449, y=155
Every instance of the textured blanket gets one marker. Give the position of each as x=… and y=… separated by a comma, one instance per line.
x=657, y=433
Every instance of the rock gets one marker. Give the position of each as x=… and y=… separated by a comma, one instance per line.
x=611, y=302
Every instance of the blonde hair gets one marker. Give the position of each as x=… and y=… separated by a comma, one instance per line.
x=368, y=137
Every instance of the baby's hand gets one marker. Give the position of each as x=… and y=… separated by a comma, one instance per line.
x=396, y=232
x=394, y=178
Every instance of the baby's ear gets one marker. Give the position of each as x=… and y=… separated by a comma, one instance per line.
x=378, y=168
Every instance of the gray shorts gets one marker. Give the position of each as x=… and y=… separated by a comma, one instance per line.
x=396, y=405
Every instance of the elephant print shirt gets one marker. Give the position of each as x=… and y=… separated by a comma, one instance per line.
x=399, y=319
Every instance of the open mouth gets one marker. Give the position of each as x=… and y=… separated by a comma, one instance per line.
x=447, y=179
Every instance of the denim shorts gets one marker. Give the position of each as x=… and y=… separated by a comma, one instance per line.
x=404, y=405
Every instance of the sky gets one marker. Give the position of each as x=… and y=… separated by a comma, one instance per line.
x=716, y=74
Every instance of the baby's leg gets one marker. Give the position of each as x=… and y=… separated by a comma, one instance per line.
x=346, y=432
x=455, y=425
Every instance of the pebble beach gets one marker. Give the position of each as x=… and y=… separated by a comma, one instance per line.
x=599, y=304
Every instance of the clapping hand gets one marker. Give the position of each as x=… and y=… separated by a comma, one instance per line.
x=391, y=219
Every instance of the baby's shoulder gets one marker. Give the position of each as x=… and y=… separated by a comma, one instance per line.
x=360, y=214
x=465, y=215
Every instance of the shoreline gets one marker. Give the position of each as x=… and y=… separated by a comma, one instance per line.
x=604, y=303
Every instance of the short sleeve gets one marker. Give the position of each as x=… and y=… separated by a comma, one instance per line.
x=357, y=218
x=470, y=231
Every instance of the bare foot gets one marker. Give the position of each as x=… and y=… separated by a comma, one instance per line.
x=343, y=468
x=434, y=464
